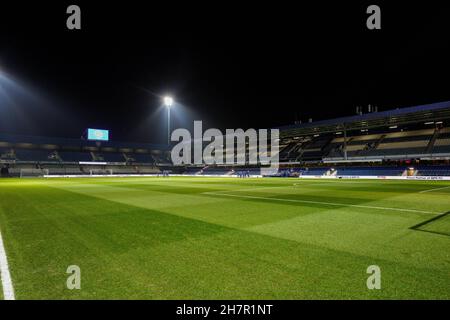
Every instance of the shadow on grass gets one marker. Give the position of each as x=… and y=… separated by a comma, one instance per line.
x=427, y=225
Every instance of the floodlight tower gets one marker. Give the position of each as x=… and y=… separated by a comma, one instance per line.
x=168, y=102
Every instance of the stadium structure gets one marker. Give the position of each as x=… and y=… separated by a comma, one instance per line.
x=412, y=141
x=404, y=142
x=35, y=156
x=109, y=224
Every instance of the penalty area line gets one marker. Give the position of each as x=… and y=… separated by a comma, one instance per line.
x=8, y=290
x=435, y=189
x=320, y=202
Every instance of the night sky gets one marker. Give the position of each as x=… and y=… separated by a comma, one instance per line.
x=232, y=66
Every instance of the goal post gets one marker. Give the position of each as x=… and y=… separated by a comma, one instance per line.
x=33, y=172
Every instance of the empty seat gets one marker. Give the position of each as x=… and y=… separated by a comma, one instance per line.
x=75, y=156
x=34, y=155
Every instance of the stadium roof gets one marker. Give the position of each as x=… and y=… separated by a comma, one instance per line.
x=400, y=116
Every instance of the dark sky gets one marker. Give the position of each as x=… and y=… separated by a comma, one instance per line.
x=228, y=64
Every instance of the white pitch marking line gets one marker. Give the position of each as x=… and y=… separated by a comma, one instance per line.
x=320, y=202
x=254, y=189
x=431, y=190
x=8, y=290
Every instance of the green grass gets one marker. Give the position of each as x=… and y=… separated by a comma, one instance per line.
x=439, y=224
x=225, y=238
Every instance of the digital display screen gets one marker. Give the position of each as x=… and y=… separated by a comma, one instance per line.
x=98, y=134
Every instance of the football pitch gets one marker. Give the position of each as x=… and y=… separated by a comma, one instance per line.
x=226, y=238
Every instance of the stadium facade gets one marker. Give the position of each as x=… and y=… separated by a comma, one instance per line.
x=411, y=142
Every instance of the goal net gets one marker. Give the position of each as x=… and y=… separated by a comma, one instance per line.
x=31, y=173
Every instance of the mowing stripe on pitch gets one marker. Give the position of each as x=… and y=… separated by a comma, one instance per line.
x=435, y=189
x=8, y=290
x=320, y=202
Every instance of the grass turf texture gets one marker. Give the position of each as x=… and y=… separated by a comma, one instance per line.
x=225, y=238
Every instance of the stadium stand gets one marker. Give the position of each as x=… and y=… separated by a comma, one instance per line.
x=313, y=149
x=222, y=171
x=442, y=143
x=408, y=133
x=34, y=155
x=404, y=141
x=314, y=171
x=75, y=156
x=293, y=150
x=7, y=154
x=408, y=141
x=371, y=171
x=433, y=171
x=344, y=171
x=78, y=157
x=140, y=158
x=113, y=157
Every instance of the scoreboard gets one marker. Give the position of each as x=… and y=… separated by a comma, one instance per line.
x=98, y=134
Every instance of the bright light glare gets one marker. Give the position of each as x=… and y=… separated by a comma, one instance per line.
x=168, y=101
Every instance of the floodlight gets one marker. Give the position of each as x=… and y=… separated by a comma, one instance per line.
x=168, y=101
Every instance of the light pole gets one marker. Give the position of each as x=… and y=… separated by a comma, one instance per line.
x=168, y=101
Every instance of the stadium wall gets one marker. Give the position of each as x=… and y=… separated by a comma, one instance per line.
x=425, y=178
x=143, y=175
x=438, y=178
